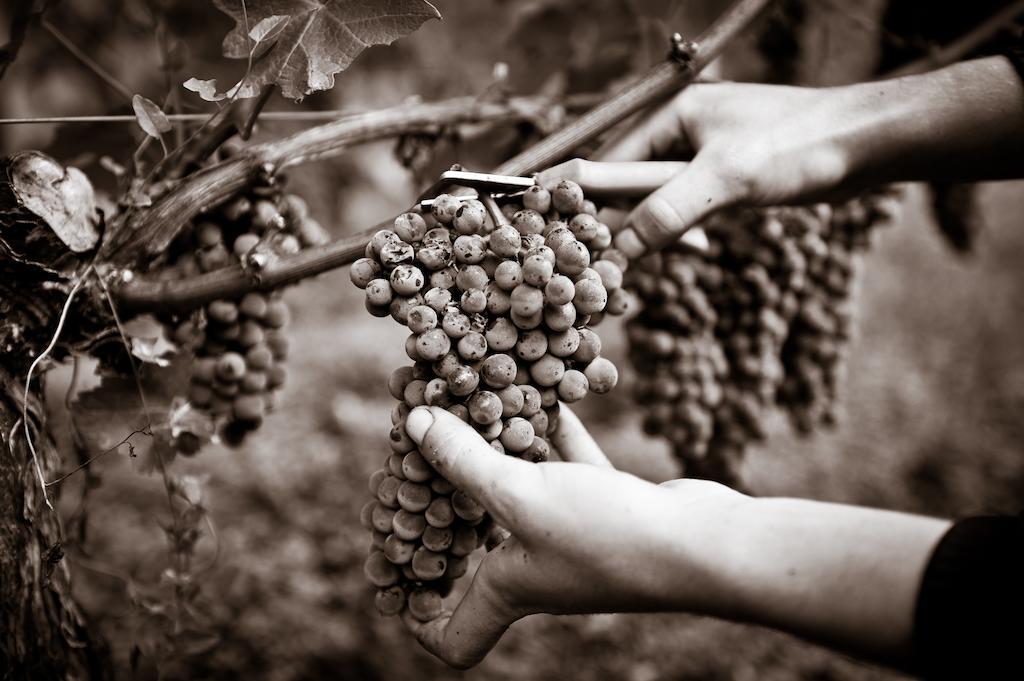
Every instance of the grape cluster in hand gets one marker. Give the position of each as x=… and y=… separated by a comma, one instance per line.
x=760, y=320
x=240, y=345
x=499, y=311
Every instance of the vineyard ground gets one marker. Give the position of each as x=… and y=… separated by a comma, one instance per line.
x=931, y=424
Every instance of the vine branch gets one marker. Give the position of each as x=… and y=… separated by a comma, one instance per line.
x=215, y=184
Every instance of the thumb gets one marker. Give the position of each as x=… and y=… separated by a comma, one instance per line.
x=668, y=212
x=464, y=458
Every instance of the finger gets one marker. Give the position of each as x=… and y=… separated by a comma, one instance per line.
x=613, y=217
x=465, y=459
x=574, y=442
x=464, y=637
x=613, y=180
x=653, y=136
x=666, y=214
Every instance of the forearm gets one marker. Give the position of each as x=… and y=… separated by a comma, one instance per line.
x=844, y=576
x=964, y=122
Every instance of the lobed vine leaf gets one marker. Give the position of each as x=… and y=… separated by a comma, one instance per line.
x=305, y=43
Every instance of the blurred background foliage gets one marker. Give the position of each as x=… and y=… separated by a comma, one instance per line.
x=932, y=401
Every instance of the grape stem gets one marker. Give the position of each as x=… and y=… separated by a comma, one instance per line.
x=149, y=232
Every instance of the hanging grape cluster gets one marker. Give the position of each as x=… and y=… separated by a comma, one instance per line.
x=759, y=320
x=499, y=309
x=240, y=346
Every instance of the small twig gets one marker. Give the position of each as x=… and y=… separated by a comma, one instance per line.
x=101, y=72
x=28, y=381
x=114, y=448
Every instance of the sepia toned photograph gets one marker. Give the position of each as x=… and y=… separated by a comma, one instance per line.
x=555, y=340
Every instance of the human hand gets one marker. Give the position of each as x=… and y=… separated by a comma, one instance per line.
x=584, y=538
x=746, y=144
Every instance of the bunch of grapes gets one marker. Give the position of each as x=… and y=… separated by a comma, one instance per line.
x=499, y=308
x=761, y=319
x=240, y=345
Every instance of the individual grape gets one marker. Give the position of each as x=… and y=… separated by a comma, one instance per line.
x=584, y=227
x=527, y=300
x=470, y=217
x=470, y=249
x=501, y=335
x=572, y=258
x=485, y=407
x=428, y=565
x=590, y=296
x=421, y=319
x=508, y=275
x=413, y=497
x=528, y=222
x=432, y=345
x=440, y=513
x=437, y=539
x=559, y=318
x=498, y=370
x=573, y=386
x=512, y=401
x=472, y=346
x=398, y=551
x=473, y=301
x=564, y=343
x=559, y=290
x=425, y=604
x=379, y=293
x=390, y=601
x=532, y=345
x=471, y=277
x=444, y=208
x=463, y=381
x=601, y=375
x=410, y=227
x=567, y=197
x=547, y=371
x=538, y=199
x=505, y=242
x=517, y=436
x=408, y=526
x=379, y=570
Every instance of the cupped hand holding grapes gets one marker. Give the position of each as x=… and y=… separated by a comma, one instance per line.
x=585, y=538
x=725, y=144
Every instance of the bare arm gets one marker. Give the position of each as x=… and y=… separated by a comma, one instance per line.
x=765, y=145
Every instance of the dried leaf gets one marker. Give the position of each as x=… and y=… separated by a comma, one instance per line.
x=62, y=197
x=317, y=39
x=207, y=89
x=151, y=119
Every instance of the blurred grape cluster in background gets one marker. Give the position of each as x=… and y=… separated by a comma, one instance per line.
x=931, y=419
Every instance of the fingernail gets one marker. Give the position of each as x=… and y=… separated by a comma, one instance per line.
x=628, y=241
x=418, y=422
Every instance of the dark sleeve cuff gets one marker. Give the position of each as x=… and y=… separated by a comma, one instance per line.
x=968, y=620
x=1015, y=53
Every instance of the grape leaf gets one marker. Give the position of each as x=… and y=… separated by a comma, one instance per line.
x=313, y=39
x=106, y=415
x=151, y=119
